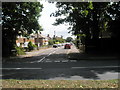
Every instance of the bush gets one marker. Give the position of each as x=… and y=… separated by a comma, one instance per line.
x=31, y=46
x=19, y=51
x=35, y=46
x=50, y=42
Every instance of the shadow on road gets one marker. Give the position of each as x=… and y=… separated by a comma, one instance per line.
x=68, y=70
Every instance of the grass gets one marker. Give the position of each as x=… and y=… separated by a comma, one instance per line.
x=12, y=83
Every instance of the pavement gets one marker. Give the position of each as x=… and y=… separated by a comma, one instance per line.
x=27, y=54
x=77, y=54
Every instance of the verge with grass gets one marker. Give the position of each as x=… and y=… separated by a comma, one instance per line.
x=12, y=83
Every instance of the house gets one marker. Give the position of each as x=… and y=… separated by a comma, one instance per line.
x=40, y=39
x=37, y=39
x=23, y=41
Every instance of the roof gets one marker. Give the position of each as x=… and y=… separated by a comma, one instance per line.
x=39, y=35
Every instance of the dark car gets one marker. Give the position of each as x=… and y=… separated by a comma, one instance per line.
x=67, y=46
x=55, y=45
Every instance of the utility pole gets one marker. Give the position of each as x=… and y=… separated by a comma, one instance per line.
x=37, y=41
x=54, y=32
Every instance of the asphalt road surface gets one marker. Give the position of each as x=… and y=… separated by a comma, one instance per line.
x=53, y=64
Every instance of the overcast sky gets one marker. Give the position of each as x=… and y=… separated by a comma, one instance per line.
x=46, y=22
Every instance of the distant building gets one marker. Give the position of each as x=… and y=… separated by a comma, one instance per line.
x=37, y=39
x=23, y=41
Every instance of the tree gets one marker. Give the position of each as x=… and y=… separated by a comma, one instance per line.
x=85, y=18
x=76, y=15
x=114, y=24
x=114, y=19
x=18, y=18
x=69, y=39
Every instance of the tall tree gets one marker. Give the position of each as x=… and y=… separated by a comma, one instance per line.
x=18, y=18
x=76, y=15
x=114, y=24
x=114, y=19
x=84, y=17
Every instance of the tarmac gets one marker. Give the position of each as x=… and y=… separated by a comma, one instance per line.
x=74, y=54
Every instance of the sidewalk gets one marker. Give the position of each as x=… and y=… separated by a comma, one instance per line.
x=33, y=53
x=28, y=54
x=76, y=54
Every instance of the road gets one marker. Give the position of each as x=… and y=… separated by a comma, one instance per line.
x=53, y=64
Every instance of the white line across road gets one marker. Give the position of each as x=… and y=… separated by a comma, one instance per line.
x=95, y=67
x=18, y=68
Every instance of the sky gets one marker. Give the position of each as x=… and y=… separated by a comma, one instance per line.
x=46, y=22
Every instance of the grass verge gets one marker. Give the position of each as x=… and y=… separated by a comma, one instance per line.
x=13, y=83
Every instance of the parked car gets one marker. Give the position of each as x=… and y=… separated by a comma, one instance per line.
x=55, y=45
x=67, y=46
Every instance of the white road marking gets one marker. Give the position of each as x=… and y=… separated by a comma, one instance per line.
x=73, y=60
x=65, y=61
x=56, y=61
x=17, y=68
x=48, y=61
x=95, y=67
x=41, y=59
x=7, y=74
x=47, y=56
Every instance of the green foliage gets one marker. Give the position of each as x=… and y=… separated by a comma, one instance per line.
x=19, y=51
x=69, y=39
x=85, y=12
x=89, y=20
x=57, y=42
x=50, y=42
x=18, y=18
x=35, y=46
x=60, y=40
x=90, y=6
x=81, y=35
x=31, y=46
x=83, y=18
